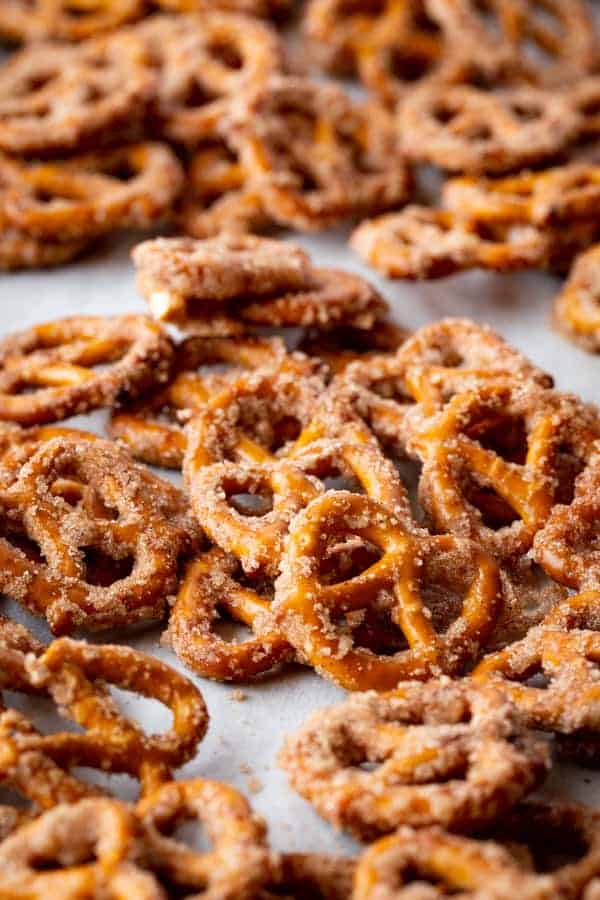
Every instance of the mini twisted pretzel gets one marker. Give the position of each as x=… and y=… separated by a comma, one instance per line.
x=567, y=546
x=494, y=463
x=64, y=20
x=237, y=865
x=464, y=129
x=58, y=358
x=131, y=187
x=218, y=195
x=55, y=98
x=210, y=585
x=557, y=829
x=77, y=850
x=568, y=659
x=69, y=671
x=553, y=197
x=421, y=243
x=444, y=753
x=352, y=453
x=547, y=42
x=454, y=355
x=317, y=157
x=20, y=251
x=430, y=863
x=389, y=45
x=311, y=609
x=256, y=418
x=204, y=60
x=577, y=308
x=17, y=446
x=152, y=428
x=261, y=8
x=174, y=274
x=394, y=391
x=311, y=875
x=115, y=511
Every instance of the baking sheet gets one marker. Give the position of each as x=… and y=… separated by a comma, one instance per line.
x=245, y=734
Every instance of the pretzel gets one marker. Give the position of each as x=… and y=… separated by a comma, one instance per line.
x=317, y=157
x=336, y=443
x=568, y=659
x=57, y=359
x=260, y=8
x=212, y=583
x=254, y=420
x=131, y=187
x=218, y=195
x=577, y=308
x=494, y=462
x=444, y=753
x=464, y=129
x=20, y=251
x=74, y=851
x=564, y=839
x=421, y=243
x=429, y=863
x=238, y=863
x=584, y=96
x=152, y=428
x=110, y=509
x=339, y=348
x=389, y=45
x=454, y=355
x=174, y=274
x=311, y=874
x=55, y=98
x=315, y=613
x=552, y=197
x=394, y=391
x=69, y=670
x=204, y=60
x=74, y=20
x=17, y=445
x=548, y=42
x=567, y=546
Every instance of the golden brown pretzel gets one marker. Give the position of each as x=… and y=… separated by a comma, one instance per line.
x=542, y=41
x=568, y=659
x=64, y=20
x=117, y=513
x=316, y=613
x=493, y=462
x=317, y=157
x=218, y=196
x=431, y=863
x=556, y=196
x=57, y=359
x=213, y=583
x=175, y=274
x=464, y=129
x=389, y=45
x=577, y=307
x=55, y=98
x=76, y=850
x=421, y=243
x=567, y=547
x=238, y=863
x=204, y=60
x=152, y=428
x=443, y=753
x=131, y=187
